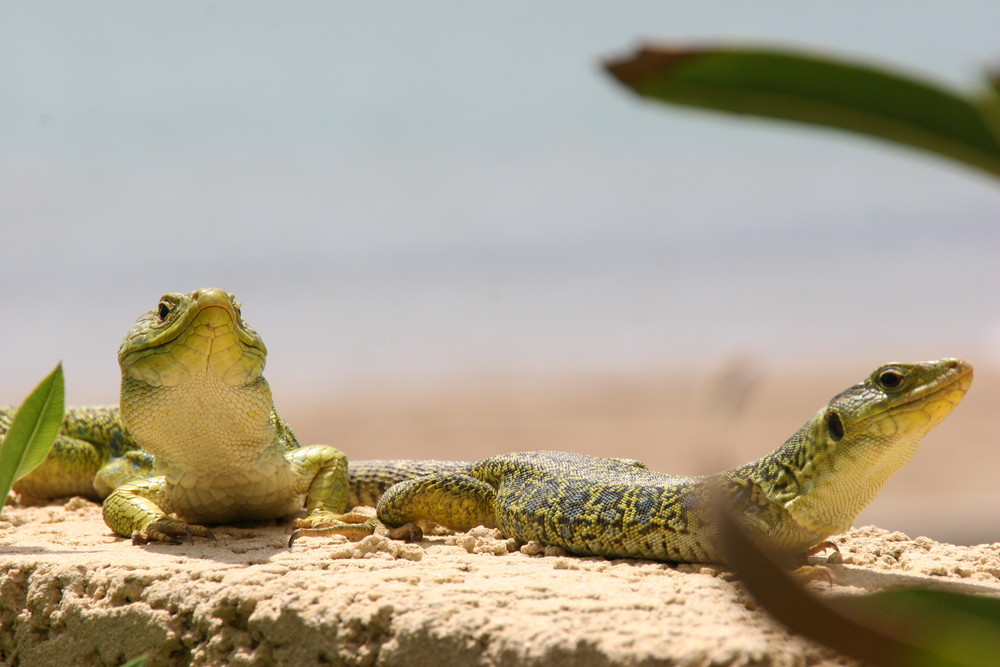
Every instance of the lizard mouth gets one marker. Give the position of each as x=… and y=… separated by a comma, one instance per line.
x=195, y=305
x=201, y=332
x=921, y=407
x=956, y=378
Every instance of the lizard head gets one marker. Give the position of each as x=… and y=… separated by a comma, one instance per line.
x=850, y=448
x=897, y=400
x=189, y=335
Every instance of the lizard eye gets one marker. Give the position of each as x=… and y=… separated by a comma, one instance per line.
x=890, y=378
x=163, y=310
x=834, y=425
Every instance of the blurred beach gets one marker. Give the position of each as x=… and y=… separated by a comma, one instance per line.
x=458, y=236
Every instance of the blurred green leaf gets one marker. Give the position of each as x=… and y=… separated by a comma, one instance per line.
x=901, y=628
x=989, y=105
x=812, y=89
x=803, y=613
x=993, y=78
x=965, y=629
x=32, y=431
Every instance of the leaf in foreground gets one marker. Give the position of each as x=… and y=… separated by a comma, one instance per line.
x=32, y=431
x=817, y=90
x=899, y=628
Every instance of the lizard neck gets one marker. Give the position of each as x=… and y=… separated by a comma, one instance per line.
x=201, y=424
x=812, y=487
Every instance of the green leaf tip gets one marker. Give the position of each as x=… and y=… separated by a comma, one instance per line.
x=818, y=90
x=32, y=431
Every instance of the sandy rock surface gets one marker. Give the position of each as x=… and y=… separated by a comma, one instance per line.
x=72, y=593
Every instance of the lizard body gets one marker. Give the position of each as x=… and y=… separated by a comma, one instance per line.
x=811, y=487
x=196, y=439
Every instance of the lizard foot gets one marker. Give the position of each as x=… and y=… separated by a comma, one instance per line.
x=805, y=574
x=408, y=532
x=809, y=573
x=169, y=530
x=823, y=546
x=352, y=525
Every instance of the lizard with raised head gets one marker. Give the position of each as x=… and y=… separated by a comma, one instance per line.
x=792, y=499
x=196, y=439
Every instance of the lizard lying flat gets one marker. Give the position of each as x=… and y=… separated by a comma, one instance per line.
x=811, y=487
x=197, y=439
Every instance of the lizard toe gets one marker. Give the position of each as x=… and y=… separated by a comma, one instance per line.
x=352, y=525
x=169, y=531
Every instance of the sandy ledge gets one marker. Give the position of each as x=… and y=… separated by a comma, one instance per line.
x=72, y=593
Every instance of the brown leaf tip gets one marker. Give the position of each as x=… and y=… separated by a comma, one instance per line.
x=650, y=61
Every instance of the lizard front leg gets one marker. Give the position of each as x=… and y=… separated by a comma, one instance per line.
x=323, y=476
x=118, y=471
x=134, y=510
x=454, y=500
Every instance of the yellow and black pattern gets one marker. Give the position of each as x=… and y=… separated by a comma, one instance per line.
x=811, y=487
x=584, y=504
x=372, y=478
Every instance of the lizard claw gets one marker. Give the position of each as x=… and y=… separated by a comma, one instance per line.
x=138, y=539
x=169, y=531
x=810, y=573
x=408, y=532
x=194, y=530
x=352, y=525
x=294, y=536
x=823, y=546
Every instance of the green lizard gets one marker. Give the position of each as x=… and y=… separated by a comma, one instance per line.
x=197, y=440
x=811, y=487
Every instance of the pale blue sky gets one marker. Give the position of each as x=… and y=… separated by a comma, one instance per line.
x=429, y=189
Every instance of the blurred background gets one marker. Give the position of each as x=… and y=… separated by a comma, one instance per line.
x=458, y=236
